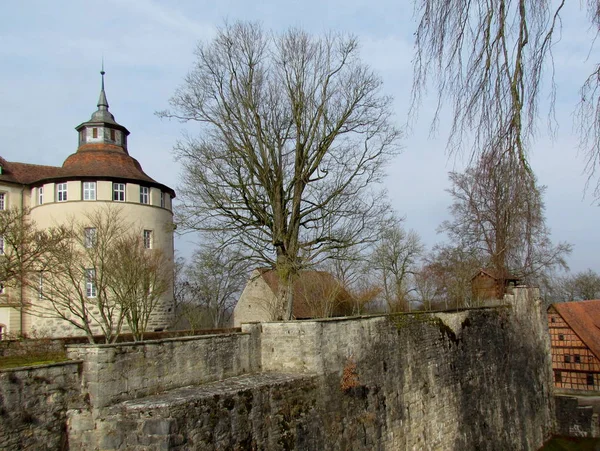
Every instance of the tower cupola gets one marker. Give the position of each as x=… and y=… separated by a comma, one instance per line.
x=102, y=127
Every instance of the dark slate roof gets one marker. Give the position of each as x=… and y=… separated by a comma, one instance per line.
x=311, y=287
x=584, y=318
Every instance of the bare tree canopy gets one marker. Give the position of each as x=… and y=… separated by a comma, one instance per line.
x=22, y=246
x=294, y=131
x=488, y=59
x=498, y=212
x=394, y=261
x=580, y=286
x=101, y=277
x=210, y=286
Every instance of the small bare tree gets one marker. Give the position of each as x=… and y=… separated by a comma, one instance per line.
x=77, y=289
x=394, y=260
x=23, y=246
x=214, y=281
x=137, y=278
x=498, y=212
x=451, y=269
x=295, y=132
x=580, y=286
x=101, y=277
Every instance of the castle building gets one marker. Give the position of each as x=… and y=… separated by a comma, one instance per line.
x=101, y=172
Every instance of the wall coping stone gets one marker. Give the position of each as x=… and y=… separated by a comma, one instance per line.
x=45, y=365
x=152, y=342
x=384, y=315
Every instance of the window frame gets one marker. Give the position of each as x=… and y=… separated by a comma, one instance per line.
x=567, y=358
x=91, y=291
x=61, y=192
x=147, y=238
x=118, y=193
x=89, y=190
x=40, y=196
x=162, y=199
x=2, y=250
x=144, y=195
x=589, y=378
x=3, y=201
x=90, y=237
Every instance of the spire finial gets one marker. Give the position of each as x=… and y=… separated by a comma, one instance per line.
x=102, y=102
x=102, y=72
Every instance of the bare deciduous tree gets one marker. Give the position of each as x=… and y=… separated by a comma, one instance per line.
x=498, y=212
x=101, y=277
x=213, y=281
x=295, y=132
x=394, y=260
x=137, y=278
x=452, y=267
x=76, y=290
x=22, y=246
x=488, y=58
x=580, y=286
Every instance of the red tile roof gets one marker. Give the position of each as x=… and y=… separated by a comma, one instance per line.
x=103, y=161
x=24, y=173
x=311, y=288
x=494, y=275
x=584, y=318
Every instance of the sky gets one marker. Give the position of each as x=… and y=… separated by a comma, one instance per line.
x=51, y=54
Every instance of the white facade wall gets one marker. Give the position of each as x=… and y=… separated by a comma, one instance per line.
x=256, y=302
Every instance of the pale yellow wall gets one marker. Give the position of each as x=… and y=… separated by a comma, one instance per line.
x=52, y=213
x=10, y=318
x=256, y=302
x=16, y=197
x=141, y=216
x=14, y=193
x=104, y=190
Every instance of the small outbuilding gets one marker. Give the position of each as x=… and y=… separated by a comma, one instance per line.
x=317, y=294
x=488, y=284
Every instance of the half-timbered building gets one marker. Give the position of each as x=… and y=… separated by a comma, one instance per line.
x=575, y=340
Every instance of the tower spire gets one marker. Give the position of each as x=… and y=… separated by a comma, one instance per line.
x=102, y=102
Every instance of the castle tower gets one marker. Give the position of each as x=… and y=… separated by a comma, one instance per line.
x=100, y=173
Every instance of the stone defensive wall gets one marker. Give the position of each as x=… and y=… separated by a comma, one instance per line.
x=472, y=379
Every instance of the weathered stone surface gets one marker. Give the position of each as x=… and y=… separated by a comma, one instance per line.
x=263, y=411
x=476, y=379
x=573, y=420
x=117, y=372
x=33, y=406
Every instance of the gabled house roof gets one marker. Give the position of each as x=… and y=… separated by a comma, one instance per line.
x=310, y=288
x=493, y=274
x=584, y=318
